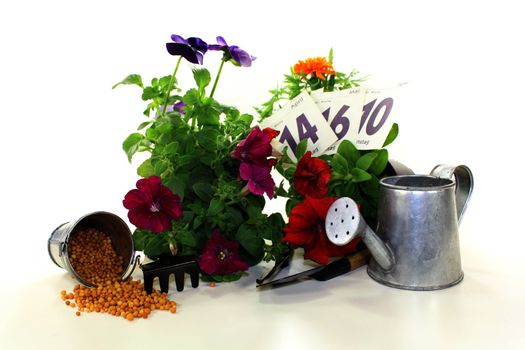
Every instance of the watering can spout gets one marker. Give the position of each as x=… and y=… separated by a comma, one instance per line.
x=344, y=222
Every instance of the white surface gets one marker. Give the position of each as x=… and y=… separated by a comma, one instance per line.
x=62, y=129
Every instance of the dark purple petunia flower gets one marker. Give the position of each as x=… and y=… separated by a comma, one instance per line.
x=221, y=256
x=240, y=57
x=152, y=205
x=255, y=148
x=192, y=49
x=259, y=179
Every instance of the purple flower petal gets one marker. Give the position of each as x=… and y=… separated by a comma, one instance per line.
x=198, y=44
x=221, y=41
x=177, y=49
x=178, y=39
x=179, y=107
x=240, y=56
x=192, y=49
x=259, y=179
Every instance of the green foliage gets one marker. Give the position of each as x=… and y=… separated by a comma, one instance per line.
x=132, y=79
x=392, y=134
x=191, y=152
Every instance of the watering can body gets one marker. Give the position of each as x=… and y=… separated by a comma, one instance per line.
x=416, y=242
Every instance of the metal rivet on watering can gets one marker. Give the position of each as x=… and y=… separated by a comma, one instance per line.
x=110, y=224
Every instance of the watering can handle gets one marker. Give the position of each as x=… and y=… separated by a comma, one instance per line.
x=464, y=183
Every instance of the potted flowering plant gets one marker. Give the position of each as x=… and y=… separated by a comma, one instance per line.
x=312, y=184
x=201, y=189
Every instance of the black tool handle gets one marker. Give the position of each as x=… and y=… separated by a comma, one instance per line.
x=342, y=266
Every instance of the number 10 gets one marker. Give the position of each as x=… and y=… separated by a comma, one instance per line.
x=371, y=129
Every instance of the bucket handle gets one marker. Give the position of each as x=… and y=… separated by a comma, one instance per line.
x=464, y=184
x=132, y=267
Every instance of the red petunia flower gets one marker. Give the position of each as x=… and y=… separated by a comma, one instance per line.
x=259, y=178
x=271, y=133
x=221, y=256
x=306, y=229
x=256, y=147
x=312, y=176
x=152, y=205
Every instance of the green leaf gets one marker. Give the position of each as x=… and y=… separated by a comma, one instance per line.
x=207, y=138
x=156, y=245
x=371, y=188
x=145, y=169
x=171, y=149
x=149, y=93
x=132, y=143
x=379, y=164
x=392, y=134
x=222, y=278
x=246, y=235
x=253, y=212
x=202, y=77
x=348, y=151
x=132, y=79
x=139, y=239
x=216, y=206
x=160, y=167
x=177, y=183
x=233, y=218
x=339, y=164
x=204, y=191
x=301, y=148
x=207, y=115
x=359, y=175
x=246, y=118
x=290, y=204
x=165, y=81
x=191, y=97
x=366, y=160
x=144, y=124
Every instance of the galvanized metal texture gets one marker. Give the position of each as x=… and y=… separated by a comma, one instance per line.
x=108, y=223
x=417, y=242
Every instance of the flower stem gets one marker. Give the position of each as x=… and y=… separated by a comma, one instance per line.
x=170, y=86
x=217, y=78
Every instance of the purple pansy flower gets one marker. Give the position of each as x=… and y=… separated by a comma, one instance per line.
x=177, y=107
x=192, y=49
x=240, y=57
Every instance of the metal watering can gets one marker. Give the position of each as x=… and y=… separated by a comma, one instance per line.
x=416, y=246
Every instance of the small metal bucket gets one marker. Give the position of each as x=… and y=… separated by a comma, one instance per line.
x=110, y=224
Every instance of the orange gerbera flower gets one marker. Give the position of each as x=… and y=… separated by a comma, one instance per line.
x=316, y=65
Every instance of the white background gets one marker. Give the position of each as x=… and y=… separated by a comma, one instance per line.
x=62, y=128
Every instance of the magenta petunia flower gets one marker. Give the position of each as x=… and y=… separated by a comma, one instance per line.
x=152, y=206
x=259, y=178
x=255, y=148
x=221, y=256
